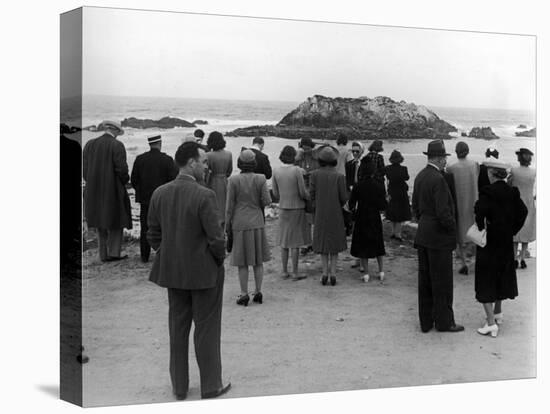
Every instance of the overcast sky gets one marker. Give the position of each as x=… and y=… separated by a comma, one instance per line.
x=139, y=53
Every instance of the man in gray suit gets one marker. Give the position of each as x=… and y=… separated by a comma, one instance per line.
x=185, y=231
x=435, y=240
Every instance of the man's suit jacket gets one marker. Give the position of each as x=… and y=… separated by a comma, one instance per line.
x=262, y=163
x=151, y=169
x=185, y=230
x=433, y=206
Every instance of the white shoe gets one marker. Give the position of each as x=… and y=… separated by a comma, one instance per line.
x=365, y=278
x=488, y=329
x=381, y=275
x=499, y=318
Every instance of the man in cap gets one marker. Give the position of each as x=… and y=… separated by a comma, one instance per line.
x=107, y=205
x=151, y=169
x=183, y=219
x=435, y=241
x=465, y=173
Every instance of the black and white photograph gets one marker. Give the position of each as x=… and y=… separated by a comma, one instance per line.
x=283, y=205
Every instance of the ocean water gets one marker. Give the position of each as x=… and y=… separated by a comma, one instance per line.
x=224, y=115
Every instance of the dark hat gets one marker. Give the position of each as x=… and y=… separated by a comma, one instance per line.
x=152, y=140
x=491, y=152
x=522, y=151
x=396, y=157
x=307, y=142
x=376, y=146
x=462, y=148
x=112, y=125
x=328, y=154
x=436, y=149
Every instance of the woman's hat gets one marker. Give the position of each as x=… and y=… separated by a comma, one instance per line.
x=247, y=156
x=436, y=149
x=112, y=125
x=497, y=165
x=307, y=142
x=328, y=154
x=376, y=146
x=491, y=152
x=396, y=157
x=522, y=151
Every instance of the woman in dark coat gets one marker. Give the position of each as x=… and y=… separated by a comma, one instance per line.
x=368, y=198
x=501, y=210
x=328, y=194
x=373, y=157
x=399, y=209
x=483, y=178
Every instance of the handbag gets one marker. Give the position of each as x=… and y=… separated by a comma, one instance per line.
x=477, y=236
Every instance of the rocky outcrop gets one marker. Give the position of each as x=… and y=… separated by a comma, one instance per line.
x=200, y=122
x=483, y=132
x=531, y=133
x=521, y=126
x=164, y=123
x=463, y=134
x=359, y=118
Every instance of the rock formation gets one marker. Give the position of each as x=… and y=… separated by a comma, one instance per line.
x=463, y=134
x=521, y=126
x=483, y=132
x=164, y=123
x=359, y=118
x=200, y=122
x=531, y=133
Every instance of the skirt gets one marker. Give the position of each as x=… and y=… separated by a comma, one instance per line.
x=294, y=230
x=249, y=248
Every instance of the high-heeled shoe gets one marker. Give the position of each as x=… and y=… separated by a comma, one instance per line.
x=522, y=264
x=324, y=280
x=243, y=300
x=382, y=276
x=499, y=318
x=365, y=278
x=488, y=329
x=258, y=298
x=332, y=280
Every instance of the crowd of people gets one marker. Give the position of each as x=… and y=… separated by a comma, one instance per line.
x=195, y=211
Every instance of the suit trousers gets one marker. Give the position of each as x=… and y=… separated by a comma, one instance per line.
x=203, y=307
x=145, y=248
x=435, y=288
x=110, y=243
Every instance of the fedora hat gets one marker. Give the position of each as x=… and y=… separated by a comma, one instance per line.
x=112, y=125
x=524, y=151
x=436, y=149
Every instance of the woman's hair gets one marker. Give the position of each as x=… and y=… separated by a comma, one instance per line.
x=288, y=155
x=499, y=173
x=323, y=163
x=215, y=141
x=525, y=159
x=246, y=166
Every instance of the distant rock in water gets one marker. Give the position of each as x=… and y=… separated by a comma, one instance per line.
x=164, y=123
x=483, y=132
x=521, y=126
x=463, y=134
x=531, y=133
x=359, y=118
x=200, y=122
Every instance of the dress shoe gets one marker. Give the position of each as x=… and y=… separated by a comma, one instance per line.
x=453, y=328
x=180, y=397
x=426, y=329
x=258, y=298
x=332, y=280
x=488, y=330
x=243, y=300
x=217, y=393
x=499, y=318
x=522, y=264
x=463, y=270
x=324, y=280
x=295, y=278
x=285, y=276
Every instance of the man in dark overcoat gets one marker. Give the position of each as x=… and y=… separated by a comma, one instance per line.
x=263, y=166
x=183, y=219
x=151, y=169
x=435, y=241
x=107, y=205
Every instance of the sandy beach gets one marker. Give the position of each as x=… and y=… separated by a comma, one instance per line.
x=305, y=337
